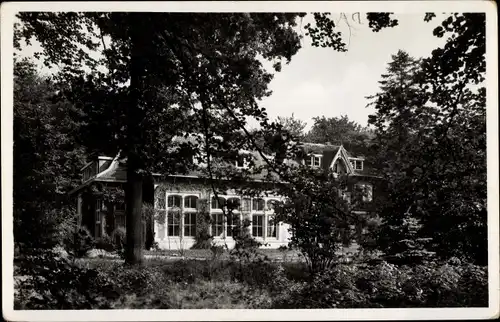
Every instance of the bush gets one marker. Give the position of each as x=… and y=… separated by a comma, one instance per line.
x=118, y=236
x=54, y=282
x=388, y=286
x=106, y=243
x=79, y=243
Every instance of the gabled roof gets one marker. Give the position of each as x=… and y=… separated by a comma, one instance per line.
x=117, y=170
x=342, y=154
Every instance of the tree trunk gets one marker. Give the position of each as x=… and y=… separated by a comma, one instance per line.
x=135, y=116
x=133, y=251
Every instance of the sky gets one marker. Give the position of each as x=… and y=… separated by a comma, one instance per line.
x=320, y=81
x=323, y=82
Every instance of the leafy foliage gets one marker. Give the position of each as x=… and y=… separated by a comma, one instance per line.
x=320, y=218
x=45, y=159
x=293, y=125
x=53, y=282
x=431, y=142
x=388, y=286
x=80, y=243
x=340, y=130
x=199, y=73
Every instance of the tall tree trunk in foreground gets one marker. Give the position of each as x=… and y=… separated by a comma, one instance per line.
x=135, y=115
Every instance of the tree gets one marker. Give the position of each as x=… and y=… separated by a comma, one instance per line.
x=431, y=141
x=294, y=126
x=46, y=158
x=340, y=130
x=320, y=219
x=204, y=65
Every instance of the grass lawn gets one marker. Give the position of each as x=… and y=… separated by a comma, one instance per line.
x=272, y=254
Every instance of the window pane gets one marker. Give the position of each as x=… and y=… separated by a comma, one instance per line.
x=258, y=204
x=174, y=201
x=316, y=161
x=233, y=203
x=271, y=227
x=246, y=204
x=173, y=221
x=257, y=225
x=271, y=204
x=240, y=163
x=218, y=204
x=232, y=222
x=217, y=224
x=190, y=202
x=120, y=220
x=190, y=225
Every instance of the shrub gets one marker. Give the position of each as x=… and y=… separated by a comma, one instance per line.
x=79, y=243
x=54, y=282
x=118, y=236
x=106, y=243
x=388, y=286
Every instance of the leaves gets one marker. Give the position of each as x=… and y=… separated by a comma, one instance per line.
x=430, y=139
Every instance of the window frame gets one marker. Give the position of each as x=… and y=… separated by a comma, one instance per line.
x=355, y=162
x=365, y=197
x=311, y=158
x=217, y=223
x=98, y=218
x=257, y=226
x=191, y=226
x=174, y=213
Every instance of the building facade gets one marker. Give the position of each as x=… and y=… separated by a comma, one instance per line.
x=184, y=204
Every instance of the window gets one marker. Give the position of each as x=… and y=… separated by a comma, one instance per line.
x=190, y=224
x=98, y=218
x=344, y=194
x=271, y=204
x=233, y=203
x=174, y=201
x=246, y=204
x=218, y=204
x=120, y=220
x=340, y=166
x=257, y=225
x=313, y=161
x=272, y=226
x=233, y=221
x=174, y=223
x=357, y=164
x=240, y=163
x=364, y=192
x=258, y=204
x=217, y=224
x=190, y=202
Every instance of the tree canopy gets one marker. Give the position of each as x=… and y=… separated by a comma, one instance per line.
x=430, y=139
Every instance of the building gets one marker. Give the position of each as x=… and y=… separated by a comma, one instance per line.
x=181, y=200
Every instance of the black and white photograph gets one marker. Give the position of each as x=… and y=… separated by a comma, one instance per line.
x=250, y=160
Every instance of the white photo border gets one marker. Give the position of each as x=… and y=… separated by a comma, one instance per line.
x=8, y=11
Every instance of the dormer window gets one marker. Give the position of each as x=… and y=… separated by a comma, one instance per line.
x=89, y=171
x=313, y=160
x=240, y=163
x=357, y=164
